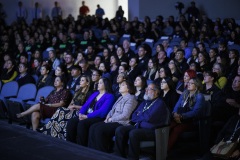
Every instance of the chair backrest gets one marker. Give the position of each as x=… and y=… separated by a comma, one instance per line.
x=44, y=91
x=125, y=36
x=97, y=33
x=168, y=119
x=10, y=89
x=27, y=91
x=45, y=54
x=173, y=43
x=206, y=108
x=113, y=38
x=205, y=127
x=35, y=77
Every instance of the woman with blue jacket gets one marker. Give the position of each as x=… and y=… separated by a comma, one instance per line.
x=94, y=110
x=188, y=108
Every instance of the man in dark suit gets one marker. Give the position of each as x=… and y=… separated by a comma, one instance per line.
x=75, y=78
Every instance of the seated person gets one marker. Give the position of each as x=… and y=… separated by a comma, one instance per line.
x=210, y=89
x=9, y=72
x=186, y=110
x=94, y=110
x=105, y=68
x=45, y=79
x=140, y=84
x=168, y=92
x=101, y=133
x=85, y=67
x=229, y=133
x=74, y=79
x=133, y=70
x=56, y=127
x=183, y=84
x=95, y=77
x=57, y=98
x=24, y=77
x=221, y=79
x=151, y=72
x=115, y=87
x=150, y=114
x=231, y=99
x=53, y=60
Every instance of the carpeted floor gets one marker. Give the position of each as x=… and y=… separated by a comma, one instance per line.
x=19, y=143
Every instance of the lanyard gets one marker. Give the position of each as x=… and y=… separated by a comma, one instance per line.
x=235, y=130
x=147, y=107
x=185, y=102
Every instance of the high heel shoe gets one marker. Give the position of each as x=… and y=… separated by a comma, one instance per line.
x=19, y=115
x=21, y=119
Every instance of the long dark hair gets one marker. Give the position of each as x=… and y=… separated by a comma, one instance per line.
x=130, y=86
x=170, y=83
x=192, y=99
x=88, y=79
x=81, y=96
x=107, y=84
x=144, y=81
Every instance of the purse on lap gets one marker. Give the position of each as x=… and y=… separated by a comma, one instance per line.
x=224, y=149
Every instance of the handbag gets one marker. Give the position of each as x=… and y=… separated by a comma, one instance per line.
x=224, y=149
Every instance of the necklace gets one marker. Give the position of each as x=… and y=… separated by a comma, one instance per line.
x=147, y=107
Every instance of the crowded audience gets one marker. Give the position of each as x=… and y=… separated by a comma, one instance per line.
x=193, y=60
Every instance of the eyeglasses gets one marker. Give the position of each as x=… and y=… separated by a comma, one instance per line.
x=163, y=82
x=152, y=89
x=236, y=81
x=95, y=75
x=179, y=53
x=190, y=83
x=216, y=69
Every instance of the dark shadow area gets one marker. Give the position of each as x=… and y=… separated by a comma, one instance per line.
x=17, y=142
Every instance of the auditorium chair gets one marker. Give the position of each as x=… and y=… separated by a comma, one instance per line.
x=161, y=140
x=16, y=105
x=42, y=92
x=8, y=90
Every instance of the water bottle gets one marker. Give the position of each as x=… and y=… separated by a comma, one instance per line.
x=42, y=100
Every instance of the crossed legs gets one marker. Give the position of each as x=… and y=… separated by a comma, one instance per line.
x=35, y=115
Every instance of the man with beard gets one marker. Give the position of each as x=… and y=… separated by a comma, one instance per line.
x=150, y=114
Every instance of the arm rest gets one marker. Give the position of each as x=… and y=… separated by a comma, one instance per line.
x=162, y=135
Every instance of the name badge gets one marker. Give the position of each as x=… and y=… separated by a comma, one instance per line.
x=90, y=110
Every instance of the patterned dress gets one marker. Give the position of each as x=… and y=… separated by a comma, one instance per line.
x=54, y=97
x=56, y=127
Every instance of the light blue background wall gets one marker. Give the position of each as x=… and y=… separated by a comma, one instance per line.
x=213, y=8
x=132, y=8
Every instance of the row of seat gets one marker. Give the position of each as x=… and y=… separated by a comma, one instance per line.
x=201, y=135
x=14, y=99
x=173, y=42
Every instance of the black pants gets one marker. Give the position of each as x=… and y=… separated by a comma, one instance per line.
x=101, y=134
x=131, y=137
x=77, y=131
